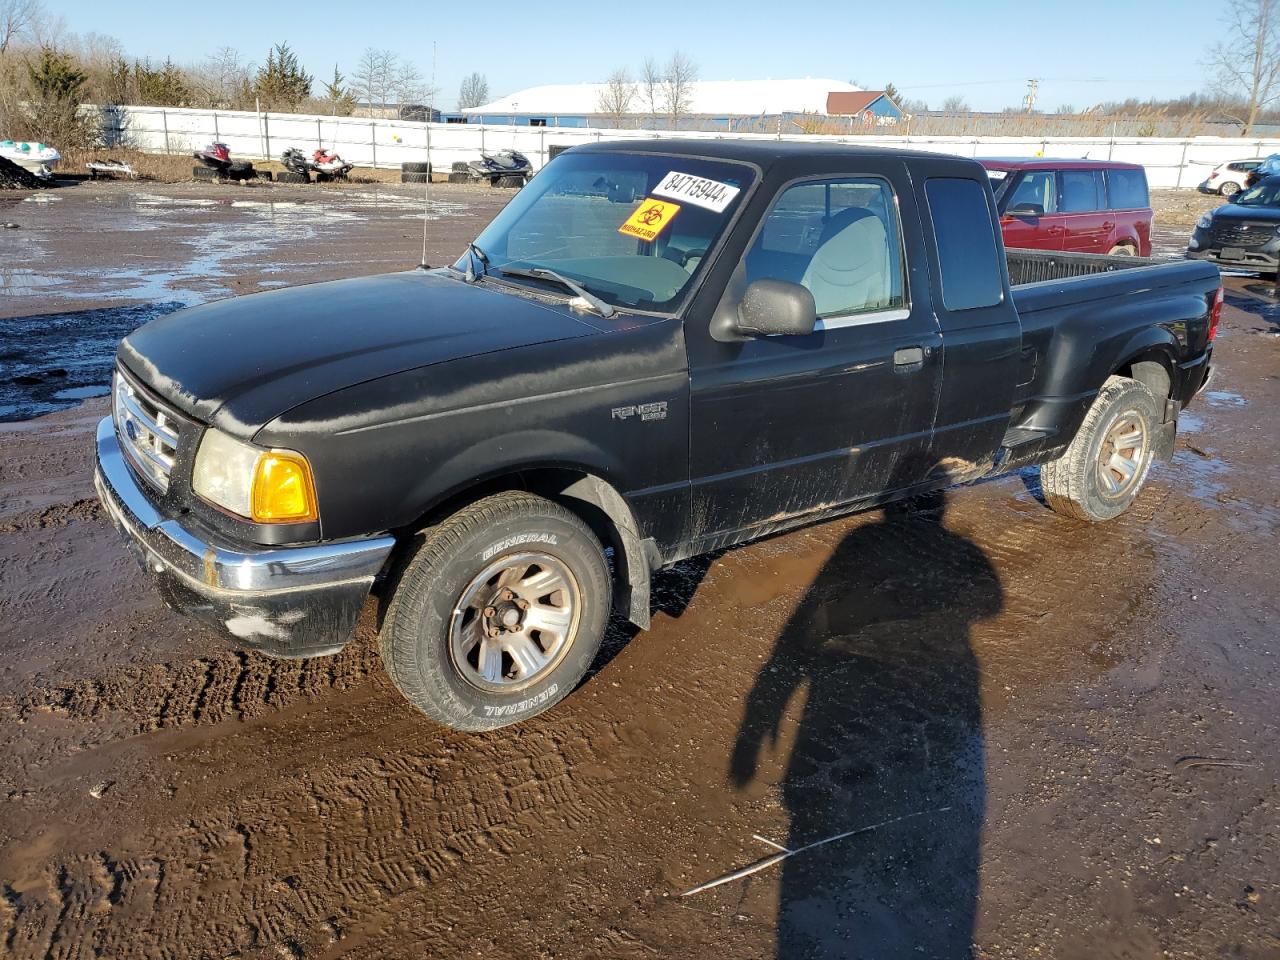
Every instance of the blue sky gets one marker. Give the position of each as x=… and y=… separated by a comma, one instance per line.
x=1085, y=51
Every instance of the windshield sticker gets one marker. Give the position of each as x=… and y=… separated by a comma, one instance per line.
x=997, y=174
x=650, y=219
x=701, y=192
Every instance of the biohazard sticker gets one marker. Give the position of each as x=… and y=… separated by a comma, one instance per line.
x=701, y=192
x=650, y=219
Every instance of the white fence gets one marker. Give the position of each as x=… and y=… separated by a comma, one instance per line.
x=1170, y=162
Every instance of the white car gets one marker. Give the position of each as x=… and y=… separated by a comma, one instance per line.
x=1228, y=179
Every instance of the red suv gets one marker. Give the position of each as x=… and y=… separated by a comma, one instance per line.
x=1085, y=206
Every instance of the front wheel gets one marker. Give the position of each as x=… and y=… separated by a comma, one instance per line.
x=498, y=613
x=1101, y=472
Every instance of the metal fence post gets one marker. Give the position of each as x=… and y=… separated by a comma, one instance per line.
x=1181, y=165
x=373, y=142
x=429, y=168
x=216, y=135
x=319, y=136
x=266, y=132
x=164, y=118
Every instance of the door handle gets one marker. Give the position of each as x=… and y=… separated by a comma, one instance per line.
x=907, y=359
x=1108, y=225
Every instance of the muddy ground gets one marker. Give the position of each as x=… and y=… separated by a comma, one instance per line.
x=1064, y=736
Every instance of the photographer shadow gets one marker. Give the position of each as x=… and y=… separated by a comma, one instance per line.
x=890, y=733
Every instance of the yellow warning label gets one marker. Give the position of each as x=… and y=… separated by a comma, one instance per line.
x=650, y=219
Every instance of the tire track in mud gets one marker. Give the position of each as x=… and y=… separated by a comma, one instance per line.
x=321, y=854
x=234, y=686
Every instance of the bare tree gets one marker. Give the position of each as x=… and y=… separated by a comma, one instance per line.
x=222, y=79
x=474, y=91
x=17, y=18
x=651, y=85
x=616, y=96
x=375, y=77
x=955, y=104
x=677, y=87
x=1246, y=65
x=408, y=87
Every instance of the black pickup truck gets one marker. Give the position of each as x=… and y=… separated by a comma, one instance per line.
x=656, y=350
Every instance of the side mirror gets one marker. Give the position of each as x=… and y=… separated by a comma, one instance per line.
x=1025, y=210
x=772, y=308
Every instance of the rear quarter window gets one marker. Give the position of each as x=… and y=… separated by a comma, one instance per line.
x=968, y=254
x=1128, y=189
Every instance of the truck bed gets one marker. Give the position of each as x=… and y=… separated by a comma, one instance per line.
x=1039, y=266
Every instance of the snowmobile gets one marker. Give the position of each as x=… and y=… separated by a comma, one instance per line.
x=325, y=164
x=216, y=156
x=494, y=167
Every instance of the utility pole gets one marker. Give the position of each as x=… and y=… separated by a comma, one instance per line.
x=1029, y=101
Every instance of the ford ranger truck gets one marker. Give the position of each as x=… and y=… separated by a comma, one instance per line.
x=654, y=351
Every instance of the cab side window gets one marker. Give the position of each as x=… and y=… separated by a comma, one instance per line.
x=1036, y=188
x=1083, y=191
x=840, y=239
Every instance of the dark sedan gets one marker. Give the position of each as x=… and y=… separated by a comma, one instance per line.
x=1244, y=233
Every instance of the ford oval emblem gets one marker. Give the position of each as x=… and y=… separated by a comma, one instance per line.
x=131, y=429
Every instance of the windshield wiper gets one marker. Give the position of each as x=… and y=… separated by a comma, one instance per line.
x=475, y=253
x=584, y=296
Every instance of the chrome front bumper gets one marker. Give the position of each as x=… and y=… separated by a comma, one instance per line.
x=282, y=601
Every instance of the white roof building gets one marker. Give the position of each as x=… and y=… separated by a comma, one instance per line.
x=710, y=98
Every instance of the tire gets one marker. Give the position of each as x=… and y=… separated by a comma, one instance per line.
x=458, y=177
x=515, y=181
x=415, y=178
x=451, y=581
x=1074, y=484
x=241, y=171
x=460, y=167
x=1228, y=189
x=204, y=173
x=288, y=176
x=1122, y=250
x=262, y=174
x=415, y=168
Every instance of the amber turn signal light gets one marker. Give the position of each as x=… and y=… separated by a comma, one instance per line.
x=283, y=491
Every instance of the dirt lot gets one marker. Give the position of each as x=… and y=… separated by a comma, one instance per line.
x=1066, y=734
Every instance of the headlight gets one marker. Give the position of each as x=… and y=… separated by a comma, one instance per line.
x=1205, y=221
x=267, y=486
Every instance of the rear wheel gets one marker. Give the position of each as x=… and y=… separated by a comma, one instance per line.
x=498, y=613
x=1229, y=189
x=1107, y=463
x=1123, y=250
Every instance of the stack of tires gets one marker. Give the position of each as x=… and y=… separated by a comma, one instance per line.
x=240, y=170
x=292, y=176
x=415, y=172
x=460, y=173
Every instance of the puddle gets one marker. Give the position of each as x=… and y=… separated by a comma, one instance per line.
x=1190, y=422
x=53, y=361
x=1222, y=398
x=83, y=393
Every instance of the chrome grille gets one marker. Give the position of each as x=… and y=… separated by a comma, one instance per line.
x=1234, y=233
x=148, y=430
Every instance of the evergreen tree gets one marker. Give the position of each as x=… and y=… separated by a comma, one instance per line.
x=338, y=97
x=281, y=83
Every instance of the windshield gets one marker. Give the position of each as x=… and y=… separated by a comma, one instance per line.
x=1265, y=194
x=633, y=229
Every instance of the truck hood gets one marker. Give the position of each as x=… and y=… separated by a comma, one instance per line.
x=240, y=363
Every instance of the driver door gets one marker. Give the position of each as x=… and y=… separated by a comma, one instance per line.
x=786, y=426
